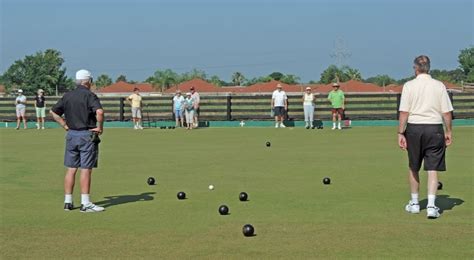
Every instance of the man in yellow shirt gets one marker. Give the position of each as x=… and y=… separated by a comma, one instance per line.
x=135, y=101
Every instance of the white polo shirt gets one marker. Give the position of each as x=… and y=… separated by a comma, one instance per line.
x=425, y=99
x=279, y=98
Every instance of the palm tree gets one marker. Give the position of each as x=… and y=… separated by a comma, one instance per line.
x=352, y=74
x=238, y=78
x=165, y=78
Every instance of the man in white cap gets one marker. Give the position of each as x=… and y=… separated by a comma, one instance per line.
x=20, y=104
x=197, y=107
x=84, y=123
x=279, y=105
x=40, y=103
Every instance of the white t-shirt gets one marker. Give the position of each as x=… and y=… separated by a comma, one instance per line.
x=196, y=98
x=20, y=98
x=425, y=99
x=279, y=98
x=308, y=99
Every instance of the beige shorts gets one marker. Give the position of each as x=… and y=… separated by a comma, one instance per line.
x=136, y=112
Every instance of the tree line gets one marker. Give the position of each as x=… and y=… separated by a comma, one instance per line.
x=45, y=70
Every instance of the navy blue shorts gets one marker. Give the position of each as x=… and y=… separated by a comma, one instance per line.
x=80, y=152
x=279, y=111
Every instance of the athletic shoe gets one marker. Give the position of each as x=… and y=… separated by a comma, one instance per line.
x=432, y=212
x=68, y=206
x=135, y=127
x=42, y=128
x=334, y=127
x=282, y=125
x=339, y=127
x=412, y=207
x=276, y=125
x=140, y=127
x=91, y=208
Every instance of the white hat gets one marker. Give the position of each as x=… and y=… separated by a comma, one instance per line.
x=308, y=88
x=188, y=94
x=20, y=91
x=83, y=74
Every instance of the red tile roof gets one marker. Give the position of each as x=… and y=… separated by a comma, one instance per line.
x=393, y=88
x=271, y=86
x=124, y=87
x=199, y=85
x=352, y=86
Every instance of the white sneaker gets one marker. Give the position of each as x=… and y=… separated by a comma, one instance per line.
x=339, y=127
x=42, y=128
x=282, y=125
x=412, y=207
x=432, y=212
x=276, y=125
x=334, y=127
x=140, y=127
x=91, y=207
x=135, y=127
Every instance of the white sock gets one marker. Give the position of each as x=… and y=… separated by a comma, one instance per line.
x=333, y=124
x=339, y=124
x=414, y=198
x=67, y=198
x=85, y=199
x=431, y=200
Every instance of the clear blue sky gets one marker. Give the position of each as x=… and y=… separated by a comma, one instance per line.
x=255, y=37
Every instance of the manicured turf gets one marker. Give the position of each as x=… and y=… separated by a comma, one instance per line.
x=360, y=215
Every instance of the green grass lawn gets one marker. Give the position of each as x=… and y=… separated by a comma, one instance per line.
x=360, y=215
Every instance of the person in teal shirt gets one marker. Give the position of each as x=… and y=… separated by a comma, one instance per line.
x=336, y=97
x=189, y=104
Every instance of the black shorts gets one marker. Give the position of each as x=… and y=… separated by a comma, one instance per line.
x=425, y=143
x=279, y=111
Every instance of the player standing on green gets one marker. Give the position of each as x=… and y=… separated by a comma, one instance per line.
x=337, y=99
x=424, y=105
x=84, y=119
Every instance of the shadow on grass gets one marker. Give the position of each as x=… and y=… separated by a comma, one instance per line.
x=124, y=199
x=443, y=202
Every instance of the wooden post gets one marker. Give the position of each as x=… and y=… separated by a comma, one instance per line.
x=399, y=97
x=450, y=94
x=121, y=109
x=229, y=107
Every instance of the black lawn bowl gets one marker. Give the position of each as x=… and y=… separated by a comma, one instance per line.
x=243, y=196
x=248, y=230
x=440, y=185
x=181, y=195
x=327, y=181
x=150, y=181
x=223, y=210
x=162, y=127
x=268, y=144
